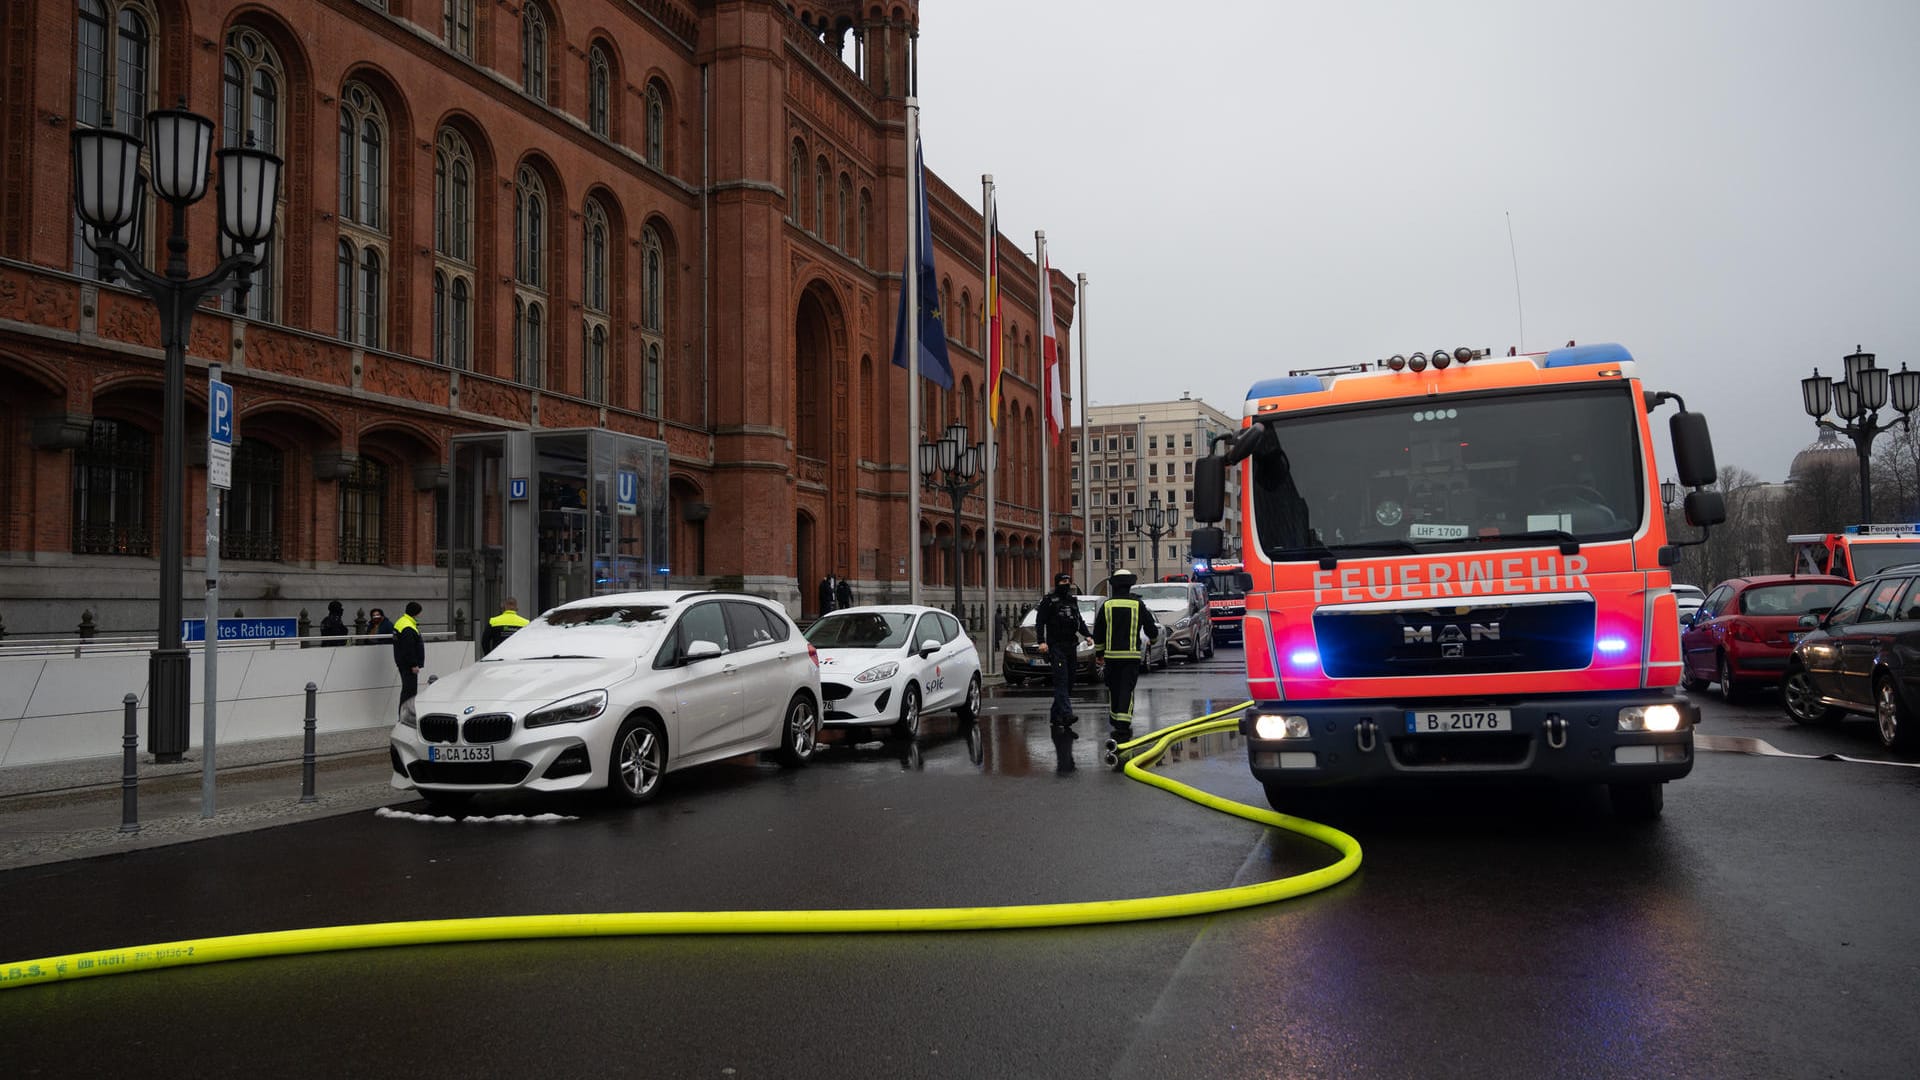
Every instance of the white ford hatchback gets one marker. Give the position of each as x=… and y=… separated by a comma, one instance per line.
x=889, y=664
x=614, y=692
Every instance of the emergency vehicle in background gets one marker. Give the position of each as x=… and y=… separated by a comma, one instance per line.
x=1459, y=573
x=1858, y=552
x=1227, y=583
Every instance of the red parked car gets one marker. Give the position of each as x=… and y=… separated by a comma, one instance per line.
x=1744, y=632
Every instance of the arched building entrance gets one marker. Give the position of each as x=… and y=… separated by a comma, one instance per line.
x=822, y=446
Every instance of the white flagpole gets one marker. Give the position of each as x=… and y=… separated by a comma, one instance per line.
x=1040, y=309
x=1086, y=448
x=911, y=283
x=993, y=435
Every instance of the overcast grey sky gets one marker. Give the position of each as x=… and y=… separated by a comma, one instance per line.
x=1731, y=190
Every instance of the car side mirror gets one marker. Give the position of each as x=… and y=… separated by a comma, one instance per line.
x=700, y=650
x=1810, y=622
x=928, y=647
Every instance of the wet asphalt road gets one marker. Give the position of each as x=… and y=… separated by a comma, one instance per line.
x=1764, y=927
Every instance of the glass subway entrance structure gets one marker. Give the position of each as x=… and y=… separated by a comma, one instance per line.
x=551, y=516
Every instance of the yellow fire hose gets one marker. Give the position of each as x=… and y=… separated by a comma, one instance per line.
x=614, y=924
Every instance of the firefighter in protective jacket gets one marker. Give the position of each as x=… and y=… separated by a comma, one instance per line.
x=1118, y=628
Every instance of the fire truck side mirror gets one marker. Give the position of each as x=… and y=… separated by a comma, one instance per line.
x=1206, y=543
x=1705, y=508
x=1210, y=488
x=1692, y=449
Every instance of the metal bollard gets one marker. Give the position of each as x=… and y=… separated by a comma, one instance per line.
x=130, y=767
x=306, y=755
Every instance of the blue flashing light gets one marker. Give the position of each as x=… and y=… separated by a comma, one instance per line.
x=1291, y=384
x=1305, y=658
x=1582, y=355
x=1612, y=645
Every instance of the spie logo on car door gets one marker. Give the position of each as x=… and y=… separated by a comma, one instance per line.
x=938, y=682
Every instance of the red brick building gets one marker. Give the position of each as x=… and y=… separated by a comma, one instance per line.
x=678, y=219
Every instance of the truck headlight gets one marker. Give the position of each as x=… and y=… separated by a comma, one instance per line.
x=1650, y=718
x=1272, y=726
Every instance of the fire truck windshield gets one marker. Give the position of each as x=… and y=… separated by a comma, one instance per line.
x=1870, y=559
x=1450, y=472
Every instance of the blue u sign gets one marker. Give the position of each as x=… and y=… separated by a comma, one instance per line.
x=517, y=488
x=628, y=489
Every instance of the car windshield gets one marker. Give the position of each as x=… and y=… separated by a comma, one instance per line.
x=1161, y=595
x=1451, y=473
x=1791, y=598
x=1228, y=586
x=1870, y=559
x=587, y=631
x=861, y=630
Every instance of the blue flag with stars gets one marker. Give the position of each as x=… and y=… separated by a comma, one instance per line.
x=934, y=363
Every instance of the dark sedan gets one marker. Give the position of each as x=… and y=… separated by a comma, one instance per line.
x=1863, y=656
x=1745, y=629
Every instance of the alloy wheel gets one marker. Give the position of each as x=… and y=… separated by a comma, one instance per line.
x=640, y=761
x=804, y=726
x=1886, y=710
x=1802, y=704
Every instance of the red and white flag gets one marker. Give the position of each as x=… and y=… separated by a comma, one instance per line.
x=1050, y=357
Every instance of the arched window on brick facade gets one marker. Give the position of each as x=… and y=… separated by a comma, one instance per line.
x=456, y=25
x=596, y=328
x=653, y=316
x=253, y=107
x=530, y=277
x=112, y=478
x=364, y=236
x=454, y=273
x=599, y=91
x=533, y=49
x=250, y=521
x=363, y=514
x=113, y=86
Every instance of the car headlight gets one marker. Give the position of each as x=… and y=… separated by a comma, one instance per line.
x=1270, y=726
x=1013, y=647
x=570, y=710
x=1650, y=718
x=1182, y=624
x=878, y=672
x=409, y=717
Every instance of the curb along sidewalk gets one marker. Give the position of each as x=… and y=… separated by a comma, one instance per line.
x=60, y=811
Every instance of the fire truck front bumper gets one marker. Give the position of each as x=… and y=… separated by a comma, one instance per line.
x=1640, y=738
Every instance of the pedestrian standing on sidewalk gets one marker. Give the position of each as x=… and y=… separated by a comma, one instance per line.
x=842, y=594
x=333, y=628
x=377, y=626
x=1059, y=627
x=409, y=653
x=1118, y=628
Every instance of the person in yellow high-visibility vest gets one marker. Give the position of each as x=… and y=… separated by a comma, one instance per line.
x=1118, y=629
x=502, y=626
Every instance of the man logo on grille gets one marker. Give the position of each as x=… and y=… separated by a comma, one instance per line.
x=1450, y=634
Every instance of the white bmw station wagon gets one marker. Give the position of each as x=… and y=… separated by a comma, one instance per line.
x=615, y=692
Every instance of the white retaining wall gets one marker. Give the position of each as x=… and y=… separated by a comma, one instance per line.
x=62, y=707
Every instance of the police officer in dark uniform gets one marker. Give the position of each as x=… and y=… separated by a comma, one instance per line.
x=1117, y=629
x=1058, y=625
x=502, y=626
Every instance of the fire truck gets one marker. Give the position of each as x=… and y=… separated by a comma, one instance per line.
x=1857, y=552
x=1227, y=583
x=1459, y=572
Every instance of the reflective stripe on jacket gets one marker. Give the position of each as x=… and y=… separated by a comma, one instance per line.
x=1122, y=618
x=508, y=618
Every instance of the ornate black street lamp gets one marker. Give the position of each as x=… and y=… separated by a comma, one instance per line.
x=110, y=199
x=1154, y=523
x=961, y=468
x=1858, y=399
x=1669, y=491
